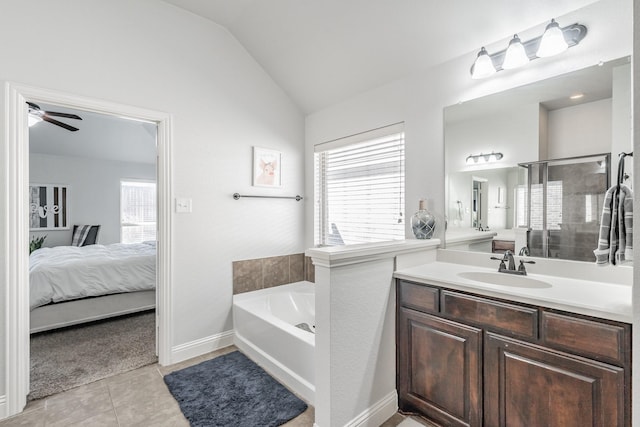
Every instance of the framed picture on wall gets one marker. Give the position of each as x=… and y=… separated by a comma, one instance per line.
x=48, y=207
x=267, y=167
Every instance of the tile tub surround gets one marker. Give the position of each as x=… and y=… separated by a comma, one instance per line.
x=254, y=274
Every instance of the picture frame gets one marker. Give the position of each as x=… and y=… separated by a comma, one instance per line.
x=48, y=207
x=267, y=167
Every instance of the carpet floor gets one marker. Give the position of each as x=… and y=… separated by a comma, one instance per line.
x=232, y=391
x=70, y=357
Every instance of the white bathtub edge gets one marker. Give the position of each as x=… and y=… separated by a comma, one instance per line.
x=260, y=293
x=285, y=375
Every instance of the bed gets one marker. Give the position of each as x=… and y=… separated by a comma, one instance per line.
x=69, y=285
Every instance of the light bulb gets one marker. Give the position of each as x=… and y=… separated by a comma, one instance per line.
x=483, y=67
x=515, y=55
x=552, y=41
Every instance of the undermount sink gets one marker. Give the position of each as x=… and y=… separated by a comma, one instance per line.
x=504, y=279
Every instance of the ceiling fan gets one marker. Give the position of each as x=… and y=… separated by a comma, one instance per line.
x=36, y=114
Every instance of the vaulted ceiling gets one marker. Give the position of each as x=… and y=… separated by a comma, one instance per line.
x=324, y=51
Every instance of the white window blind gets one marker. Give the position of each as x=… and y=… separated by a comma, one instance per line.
x=359, y=187
x=137, y=211
x=554, y=206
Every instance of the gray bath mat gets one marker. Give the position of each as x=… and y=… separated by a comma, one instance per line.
x=231, y=390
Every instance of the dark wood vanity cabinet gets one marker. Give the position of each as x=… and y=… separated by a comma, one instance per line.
x=500, y=246
x=459, y=363
x=440, y=368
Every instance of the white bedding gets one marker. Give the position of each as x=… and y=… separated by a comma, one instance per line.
x=64, y=273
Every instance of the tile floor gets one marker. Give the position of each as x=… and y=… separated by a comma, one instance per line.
x=136, y=398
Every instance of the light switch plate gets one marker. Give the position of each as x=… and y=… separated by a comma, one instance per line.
x=183, y=205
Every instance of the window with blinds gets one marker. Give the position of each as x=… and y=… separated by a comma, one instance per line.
x=137, y=211
x=359, y=187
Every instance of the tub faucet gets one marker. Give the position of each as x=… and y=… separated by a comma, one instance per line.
x=524, y=251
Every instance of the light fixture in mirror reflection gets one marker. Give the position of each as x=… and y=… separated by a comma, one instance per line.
x=530, y=201
x=483, y=158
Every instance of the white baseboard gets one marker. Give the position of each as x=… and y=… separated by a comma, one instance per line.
x=3, y=407
x=377, y=414
x=202, y=346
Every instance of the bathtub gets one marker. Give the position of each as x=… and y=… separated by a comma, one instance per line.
x=265, y=330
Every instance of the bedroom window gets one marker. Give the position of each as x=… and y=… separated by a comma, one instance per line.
x=137, y=211
x=359, y=188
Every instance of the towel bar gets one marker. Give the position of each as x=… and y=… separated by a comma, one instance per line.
x=297, y=198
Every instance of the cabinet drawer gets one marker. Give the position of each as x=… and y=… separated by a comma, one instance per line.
x=507, y=319
x=503, y=245
x=598, y=340
x=419, y=297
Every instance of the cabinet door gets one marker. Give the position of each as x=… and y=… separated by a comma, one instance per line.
x=439, y=368
x=528, y=385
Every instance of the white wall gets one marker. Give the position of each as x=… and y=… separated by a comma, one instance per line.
x=419, y=99
x=94, y=191
x=635, y=135
x=149, y=54
x=4, y=269
x=514, y=132
x=580, y=130
x=621, y=113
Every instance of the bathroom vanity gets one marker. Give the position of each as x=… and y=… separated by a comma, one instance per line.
x=523, y=351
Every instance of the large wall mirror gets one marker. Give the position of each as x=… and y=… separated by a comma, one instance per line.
x=527, y=169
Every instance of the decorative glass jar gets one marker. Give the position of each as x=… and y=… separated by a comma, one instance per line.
x=423, y=223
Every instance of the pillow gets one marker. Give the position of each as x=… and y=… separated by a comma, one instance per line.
x=80, y=233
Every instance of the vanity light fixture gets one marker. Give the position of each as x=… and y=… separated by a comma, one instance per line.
x=554, y=41
x=515, y=56
x=473, y=159
x=483, y=67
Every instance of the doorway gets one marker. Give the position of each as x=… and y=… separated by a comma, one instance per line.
x=479, y=203
x=93, y=210
x=17, y=229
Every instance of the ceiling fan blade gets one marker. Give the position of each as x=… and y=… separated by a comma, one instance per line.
x=57, y=123
x=68, y=116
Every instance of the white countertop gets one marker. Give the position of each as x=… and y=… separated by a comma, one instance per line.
x=348, y=254
x=598, y=299
x=469, y=235
x=505, y=234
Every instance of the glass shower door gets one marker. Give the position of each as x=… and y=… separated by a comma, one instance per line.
x=564, y=199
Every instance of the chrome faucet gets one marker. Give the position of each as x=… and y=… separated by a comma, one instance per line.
x=510, y=267
x=524, y=251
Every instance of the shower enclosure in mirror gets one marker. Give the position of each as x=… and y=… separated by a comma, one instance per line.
x=559, y=204
x=524, y=167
